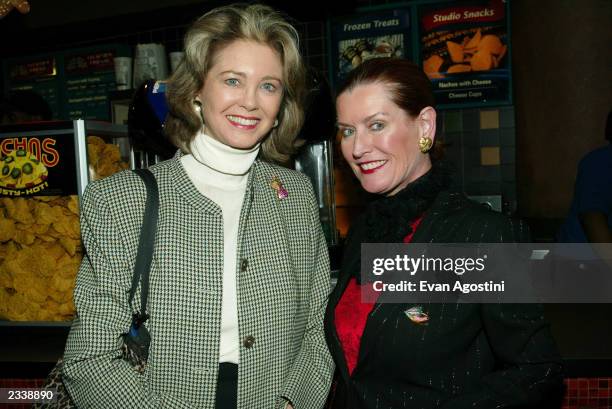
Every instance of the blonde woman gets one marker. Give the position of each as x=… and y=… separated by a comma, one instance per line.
x=240, y=270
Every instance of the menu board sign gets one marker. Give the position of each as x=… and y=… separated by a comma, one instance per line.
x=37, y=163
x=86, y=63
x=90, y=76
x=38, y=74
x=464, y=49
x=75, y=83
x=360, y=37
x=29, y=70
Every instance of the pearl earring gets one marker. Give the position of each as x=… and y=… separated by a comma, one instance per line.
x=197, y=106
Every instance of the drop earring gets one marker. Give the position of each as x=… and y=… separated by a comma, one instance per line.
x=275, y=123
x=197, y=106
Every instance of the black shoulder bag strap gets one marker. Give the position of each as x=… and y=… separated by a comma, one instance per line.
x=136, y=341
x=145, y=245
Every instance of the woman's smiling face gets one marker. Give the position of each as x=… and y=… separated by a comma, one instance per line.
x=242, y=93
x=380, y=141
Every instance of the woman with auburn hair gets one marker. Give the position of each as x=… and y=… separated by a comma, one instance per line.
x=423, y=355
x=240, y=272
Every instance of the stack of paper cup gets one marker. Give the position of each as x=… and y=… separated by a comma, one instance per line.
x=123, y=72
x=150, y=63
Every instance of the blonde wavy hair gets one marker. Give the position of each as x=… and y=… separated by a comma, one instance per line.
x=212, y=32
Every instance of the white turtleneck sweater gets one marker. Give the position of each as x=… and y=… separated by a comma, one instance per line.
x=220, y=173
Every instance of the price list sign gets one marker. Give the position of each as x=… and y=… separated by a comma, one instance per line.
x=38, y=74
x=89, y=78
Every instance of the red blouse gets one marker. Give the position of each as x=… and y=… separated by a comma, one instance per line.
x=351, y=314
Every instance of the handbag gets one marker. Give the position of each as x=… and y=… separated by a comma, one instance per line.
x=136, y=340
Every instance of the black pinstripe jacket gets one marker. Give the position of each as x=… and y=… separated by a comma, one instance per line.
x=473, y=356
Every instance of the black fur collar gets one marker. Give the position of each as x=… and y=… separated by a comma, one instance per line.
x=387, y=220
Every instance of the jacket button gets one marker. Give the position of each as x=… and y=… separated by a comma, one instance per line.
x=243, y=265
x=248, y=341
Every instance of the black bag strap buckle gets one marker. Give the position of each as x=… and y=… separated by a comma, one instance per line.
x=139, y=318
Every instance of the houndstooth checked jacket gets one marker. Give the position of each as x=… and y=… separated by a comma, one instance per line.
x=282, y=284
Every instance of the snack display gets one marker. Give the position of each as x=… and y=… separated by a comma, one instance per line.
x=104, y=158
x=40, y=253
x=40, y=245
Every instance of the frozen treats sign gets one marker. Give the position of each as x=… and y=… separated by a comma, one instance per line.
x=360, y=37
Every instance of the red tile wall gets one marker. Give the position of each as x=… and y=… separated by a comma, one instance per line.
x=588, y=393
